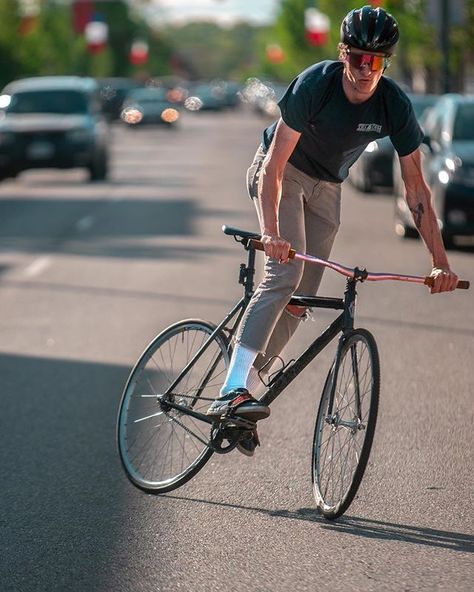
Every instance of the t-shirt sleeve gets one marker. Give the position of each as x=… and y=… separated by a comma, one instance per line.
x=406, y=134
x=295, y=105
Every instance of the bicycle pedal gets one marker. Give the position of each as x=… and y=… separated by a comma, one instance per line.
x=238, y=422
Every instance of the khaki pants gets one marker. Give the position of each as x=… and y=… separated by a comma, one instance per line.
x=309, y=217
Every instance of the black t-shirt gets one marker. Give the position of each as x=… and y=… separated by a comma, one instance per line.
x=335, y=132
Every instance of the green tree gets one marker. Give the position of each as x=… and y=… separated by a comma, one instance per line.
x=49, y=45
x=10, y=60
x=418, y=54
x=204, y=50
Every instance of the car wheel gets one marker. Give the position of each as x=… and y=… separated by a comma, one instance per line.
x=363, y=180
x=366, y=183
x=448, y=240
x=405, y=231
x=99, y=168
x=8, y=175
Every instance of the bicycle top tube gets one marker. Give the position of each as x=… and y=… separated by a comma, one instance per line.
x=252, y=240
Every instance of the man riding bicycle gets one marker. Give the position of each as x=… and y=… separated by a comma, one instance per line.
x=329, y=114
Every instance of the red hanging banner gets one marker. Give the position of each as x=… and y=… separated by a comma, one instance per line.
x=317, y=25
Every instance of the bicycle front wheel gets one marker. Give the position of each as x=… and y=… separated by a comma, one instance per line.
x=161, y=448
x=344, y=433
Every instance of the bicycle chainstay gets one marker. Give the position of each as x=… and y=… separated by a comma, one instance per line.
x=229, y=427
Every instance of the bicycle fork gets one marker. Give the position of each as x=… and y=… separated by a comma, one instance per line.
x=348, y=324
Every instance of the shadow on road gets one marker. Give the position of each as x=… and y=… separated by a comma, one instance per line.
x=126, y=227
x=117, y=292
x=376, y=529
x=63, y=492
x=362, y=527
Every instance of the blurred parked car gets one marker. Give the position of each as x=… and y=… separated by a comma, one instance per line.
x=52, y=121
x=113, y=92
x=374, y=168
x=231, y=98
x=151, y=106
x=448, y=167
x=208, y=96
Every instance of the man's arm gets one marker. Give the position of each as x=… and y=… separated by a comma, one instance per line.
x=269, y=190
x=418, y=198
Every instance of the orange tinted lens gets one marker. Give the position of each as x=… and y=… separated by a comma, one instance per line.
x=358, y=60
x=377, y=63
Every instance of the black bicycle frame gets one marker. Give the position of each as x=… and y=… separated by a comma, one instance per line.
x=341, y=325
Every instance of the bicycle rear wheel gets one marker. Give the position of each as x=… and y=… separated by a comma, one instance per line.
x=161, y=448
x=343, y=437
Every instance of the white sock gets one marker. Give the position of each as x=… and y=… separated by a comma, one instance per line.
x=239, y=368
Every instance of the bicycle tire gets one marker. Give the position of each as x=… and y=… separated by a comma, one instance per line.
x=333, y=490
x=159, y=456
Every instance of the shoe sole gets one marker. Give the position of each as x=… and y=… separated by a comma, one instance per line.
x=244, y=451
x=253, y=414
x=250, y=414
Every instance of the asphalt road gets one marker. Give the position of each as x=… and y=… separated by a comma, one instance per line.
x=89, y=273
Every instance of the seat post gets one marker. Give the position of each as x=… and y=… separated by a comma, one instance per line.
x=247, y=273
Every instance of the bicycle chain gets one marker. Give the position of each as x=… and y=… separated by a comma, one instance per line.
x=189, y=397
x=186, y=429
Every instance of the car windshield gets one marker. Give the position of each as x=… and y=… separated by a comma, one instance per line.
x=464, y=123
x=63, y=102
x=149, y=96
x=421, y=103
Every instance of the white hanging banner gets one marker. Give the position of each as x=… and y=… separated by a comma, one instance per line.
x=96, y=34
x=317, y=25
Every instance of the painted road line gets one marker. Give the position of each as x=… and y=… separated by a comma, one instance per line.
x=37, y=266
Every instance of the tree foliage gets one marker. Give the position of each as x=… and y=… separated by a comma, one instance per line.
x=49, y=45
x=418, y=53
x=205, y=50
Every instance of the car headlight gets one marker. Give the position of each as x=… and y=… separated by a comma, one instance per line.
x=372, y=147
x=169, y=115
x=452, y=169
x=450, y=164
x=443, y=177
x=80, y=135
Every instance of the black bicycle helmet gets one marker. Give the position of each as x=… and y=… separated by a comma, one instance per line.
x=370, y=29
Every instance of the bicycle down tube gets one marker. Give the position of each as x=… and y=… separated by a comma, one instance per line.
x=343, y=323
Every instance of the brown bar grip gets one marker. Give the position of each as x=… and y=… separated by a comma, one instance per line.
x=462, y=284
x=258, y=245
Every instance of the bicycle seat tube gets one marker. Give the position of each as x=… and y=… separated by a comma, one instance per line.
x=247, y=272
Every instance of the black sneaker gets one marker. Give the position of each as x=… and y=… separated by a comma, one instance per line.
x=248, y=445
x=240, y=402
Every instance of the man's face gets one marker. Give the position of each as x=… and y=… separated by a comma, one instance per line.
x=364, y=69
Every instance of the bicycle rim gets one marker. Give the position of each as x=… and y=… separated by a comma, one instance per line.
x=162, y=448
x=343, y=439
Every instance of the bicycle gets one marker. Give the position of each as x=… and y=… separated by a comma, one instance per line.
x=164, y=436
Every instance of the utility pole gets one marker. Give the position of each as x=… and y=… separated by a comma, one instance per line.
x=445, y=29
x=443, y=14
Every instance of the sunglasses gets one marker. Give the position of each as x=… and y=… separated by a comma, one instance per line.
x=375, y=63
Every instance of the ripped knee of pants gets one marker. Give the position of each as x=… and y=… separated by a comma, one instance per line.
x=296, y=312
